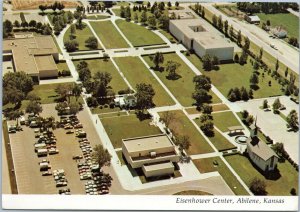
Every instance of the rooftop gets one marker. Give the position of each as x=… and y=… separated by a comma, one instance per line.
x=158, y=166
x=45, y=63
x=260, y=148
x=147, y=143
x=184, y=14
x=201, y=31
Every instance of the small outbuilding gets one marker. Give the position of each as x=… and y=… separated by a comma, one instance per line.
x=252, y=19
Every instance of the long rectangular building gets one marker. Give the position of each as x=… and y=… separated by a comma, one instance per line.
x=200, y=36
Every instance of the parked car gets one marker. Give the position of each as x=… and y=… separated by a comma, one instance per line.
x=53, y=151
x=76, y=157
x=46, y=173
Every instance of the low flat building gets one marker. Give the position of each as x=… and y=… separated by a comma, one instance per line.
x=200, y=36
x=154, y=154
x=252, y=19
x=34, y=55
x=181, y=14
x=259, y=152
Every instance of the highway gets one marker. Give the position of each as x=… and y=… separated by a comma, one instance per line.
x=285, y=53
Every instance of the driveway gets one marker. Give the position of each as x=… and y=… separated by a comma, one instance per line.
x=273, y=125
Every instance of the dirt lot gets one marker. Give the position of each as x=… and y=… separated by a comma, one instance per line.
x=29, y=178
x=34, y=4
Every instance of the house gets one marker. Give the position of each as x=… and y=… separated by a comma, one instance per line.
x=279, y=32
x=259, y=152
x=34, y=55
x=154, y=154
x=252, y=19
x=200, y=36
x=127, y=100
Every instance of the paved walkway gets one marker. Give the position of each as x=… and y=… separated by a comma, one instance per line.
x=293, y=12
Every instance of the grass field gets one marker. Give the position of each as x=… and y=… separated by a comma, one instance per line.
x=97, y=17
x=224, y=120
x=215, y=108
x=183, y=126
x=183, y=87
x=206, y=165
x=288, y=175
x=122, y=127
x=136, y=72
x=103, y=110
x=192, y=192
x=81, y=37
x=138, y=35
x=117, y=82
x=168, y=35
x=110, y=40
x=62, y=66
x=289, y=21
x=235, y=75
x=218, y=140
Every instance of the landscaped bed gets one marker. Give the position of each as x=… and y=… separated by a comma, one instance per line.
x=223, y=120
x=110, y=40
x=118, y=128
x=234, y=75
x=183, y=87
x=206, y=165
x=81, y=36
x=218, y=140
x=282, y=182
x=138, y=35
x=181, y=125
x=136, y=72
x=117, y=83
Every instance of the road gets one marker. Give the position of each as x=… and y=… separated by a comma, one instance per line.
x=293, y=12
x=286, y=54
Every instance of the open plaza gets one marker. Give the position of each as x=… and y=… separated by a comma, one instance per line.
x=154, y=98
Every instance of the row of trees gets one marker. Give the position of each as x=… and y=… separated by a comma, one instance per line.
x=206, y=120
x=236, y=94
x=202, y=87
x=265, y=7
x=56, y=5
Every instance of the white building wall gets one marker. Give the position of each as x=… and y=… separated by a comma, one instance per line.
x=179, y=35
x=159, y=172
x=262, y=164
x=225, y=53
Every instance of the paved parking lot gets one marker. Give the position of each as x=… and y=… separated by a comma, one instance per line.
x=29, y=177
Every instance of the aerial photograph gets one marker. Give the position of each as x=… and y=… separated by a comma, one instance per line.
x=150, y=98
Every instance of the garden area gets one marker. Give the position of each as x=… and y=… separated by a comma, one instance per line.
x=280, y=185
x=110, y=40
x=181, y=125
x=183, y=87
x=218, y=140
x=138, y=35
x=105, y=65
x=136, y=72
x=221, y=124
x=235, y=75
x=206, y=165
x=123, y=127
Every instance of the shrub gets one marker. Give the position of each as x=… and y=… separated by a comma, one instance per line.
x=112, y=105
x=65, y=73
x=293, y=192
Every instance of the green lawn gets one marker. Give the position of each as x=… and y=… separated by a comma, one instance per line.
x=183, y=87
x=234, y=75
x=219, y=141
x=118, y=128
x=168, y=35
x=57, y=46
x=289, y=21
x=206, y=165
x=215, y=108
x=117, y=83
x=223, y=120
x=136, y=72
x=110, y=40
x=97, y=17
x=113, y=114
x=280, y=186
x=81, y=36
x=183, y=126
x=138, y=35
x=99, y=110
x=62, y=66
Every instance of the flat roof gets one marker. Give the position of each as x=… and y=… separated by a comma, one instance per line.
x=254, y=18
x=208, y=36
x=24, y=50
x=185, y=14
x=45, y=63
x=158, y=166
x=147, y=143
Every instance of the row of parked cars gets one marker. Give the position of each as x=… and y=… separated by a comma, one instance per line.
x=45, y=143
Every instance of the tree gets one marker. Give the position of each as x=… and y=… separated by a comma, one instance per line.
x=101, y=156
x=255, y=65
x=136, y=18
x=207, y=109
x=277, y=65
x=169, y=4
x=13, y=95
x=244, y=94
x=183, y=141
x=236, y=58
x=292, y=120
x=152, y=22
x=279, y=149
x=32, y=23
x=73, y=31
x=33, y=97
x=246, y=44
x=17, y=23
x=202, y=82
x=57, y=28
x=293, y=192
x=220, y=23
x=171, y=68
x=92, y=42
x=231, y=31
x=143, y=17
x=76, y=91
x=206, y=125
x=34, y=107
x=74, y=108
x=157, y=58
x=144, y=95
x=60, y=6
x=71, y=45
x=226, y=27
x=104, y=77
x=243, y=57
x=84, y=74
x=201, y=96
x=168, y=117
x=43, y=8
x=215, y=20
x=254, y=80
x=128, y=13
x=239, y=38
x=258, y=187
x=18, y=80
x=64, y=90
x=47, y=30
x=177, y=4
x=261, y=51
x=265, y=104
x=286, y=72
x=207, y=62
x=164, y=22
x=276, y=105
x=8, y=26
